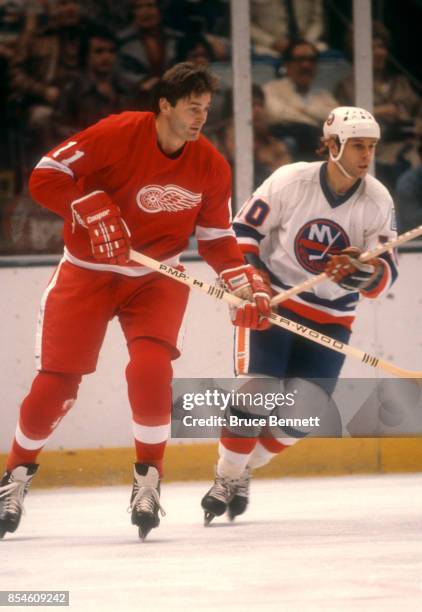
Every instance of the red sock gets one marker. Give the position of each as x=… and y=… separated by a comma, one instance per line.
x=51, y=396
x=149, y=376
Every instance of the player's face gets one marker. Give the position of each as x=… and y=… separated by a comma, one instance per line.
x=358, y=155
x=188, y=116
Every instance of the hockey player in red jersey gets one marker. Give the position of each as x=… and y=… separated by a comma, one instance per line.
x=306, y=218
x=141, y=180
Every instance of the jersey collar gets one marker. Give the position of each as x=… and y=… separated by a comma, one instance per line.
x=335, y=199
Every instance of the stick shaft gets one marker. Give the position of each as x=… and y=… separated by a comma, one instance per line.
x=378, y=250
x=296, y=328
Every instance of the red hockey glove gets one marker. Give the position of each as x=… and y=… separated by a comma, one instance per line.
x=110, y=237
x=347, y=271
x=253, y=285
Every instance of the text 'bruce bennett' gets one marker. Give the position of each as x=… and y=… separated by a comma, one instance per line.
x=235, y=421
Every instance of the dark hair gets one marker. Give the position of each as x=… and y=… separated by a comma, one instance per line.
x=181, y=81
x=186, y=44
x=380, y=32
x=288, y=52
x=94, y=31
x=323, y=150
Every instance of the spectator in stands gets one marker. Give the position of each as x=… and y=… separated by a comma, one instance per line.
x=44, y=64
x=111, y=14
x=396, y=105
x=18, y=15
x=207, y=18
x=99, y=91
x=193, y=17
x=16, y=21
x=409, y=196
x=12, y=26
x=296, y=107
x=147, y=48
x=194, y=49
x=276, y=23
x=269, y=152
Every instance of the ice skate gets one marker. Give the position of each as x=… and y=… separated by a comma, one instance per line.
x=13, y=488
x=226, y=494
x=145, y=499
x=240, y=499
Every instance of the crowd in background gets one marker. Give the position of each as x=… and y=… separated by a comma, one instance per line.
x=65, y=64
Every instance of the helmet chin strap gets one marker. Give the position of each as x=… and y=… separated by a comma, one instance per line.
x=336, y=160
x=346, y=174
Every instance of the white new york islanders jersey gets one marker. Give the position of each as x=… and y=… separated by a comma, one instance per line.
x=294, y=222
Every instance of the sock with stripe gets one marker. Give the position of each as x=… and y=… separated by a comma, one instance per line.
x=51, y=396
x=149, y=375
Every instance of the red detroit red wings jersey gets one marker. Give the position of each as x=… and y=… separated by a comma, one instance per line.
x=162, y=199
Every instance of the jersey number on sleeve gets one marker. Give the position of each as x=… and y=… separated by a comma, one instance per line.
x=257, y=213
x=69, y=160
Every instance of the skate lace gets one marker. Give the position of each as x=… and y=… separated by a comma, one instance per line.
x=12, y=496
x=242, y=485
x=223, y=488
x=146, y=499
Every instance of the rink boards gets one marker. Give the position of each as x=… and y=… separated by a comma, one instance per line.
x=183, y=462
x=93, y=443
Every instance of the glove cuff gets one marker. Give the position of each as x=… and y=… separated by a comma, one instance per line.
x=236, y=279
x=376, y=278
x=91, y=208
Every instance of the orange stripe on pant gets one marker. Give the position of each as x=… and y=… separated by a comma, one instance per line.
x=241, y=350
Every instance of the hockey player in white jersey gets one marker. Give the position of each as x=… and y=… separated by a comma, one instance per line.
x=304, y=219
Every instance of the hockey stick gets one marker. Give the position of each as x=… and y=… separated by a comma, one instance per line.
x=276, y=319
x=378, y=250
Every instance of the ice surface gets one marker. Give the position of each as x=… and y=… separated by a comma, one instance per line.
x=346, y=543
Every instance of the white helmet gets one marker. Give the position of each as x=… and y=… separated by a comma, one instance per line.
x=350, y=122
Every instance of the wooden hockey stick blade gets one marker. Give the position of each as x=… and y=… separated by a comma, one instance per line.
x=378, y=250
x=296, y=328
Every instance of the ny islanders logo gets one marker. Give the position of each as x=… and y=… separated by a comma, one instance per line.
x=170, y=198
x=316, y=240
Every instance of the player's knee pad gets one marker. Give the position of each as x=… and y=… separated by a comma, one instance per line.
x=55, y=385
x=257, y=395
x=308, y=411
x=51, y=396
x=252, y=403
x=150, y=362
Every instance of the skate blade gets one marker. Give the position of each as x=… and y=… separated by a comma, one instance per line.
x=9, y=528
x=148, y=524
x=231, y=516
x=143, y=534
x=208, y=517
